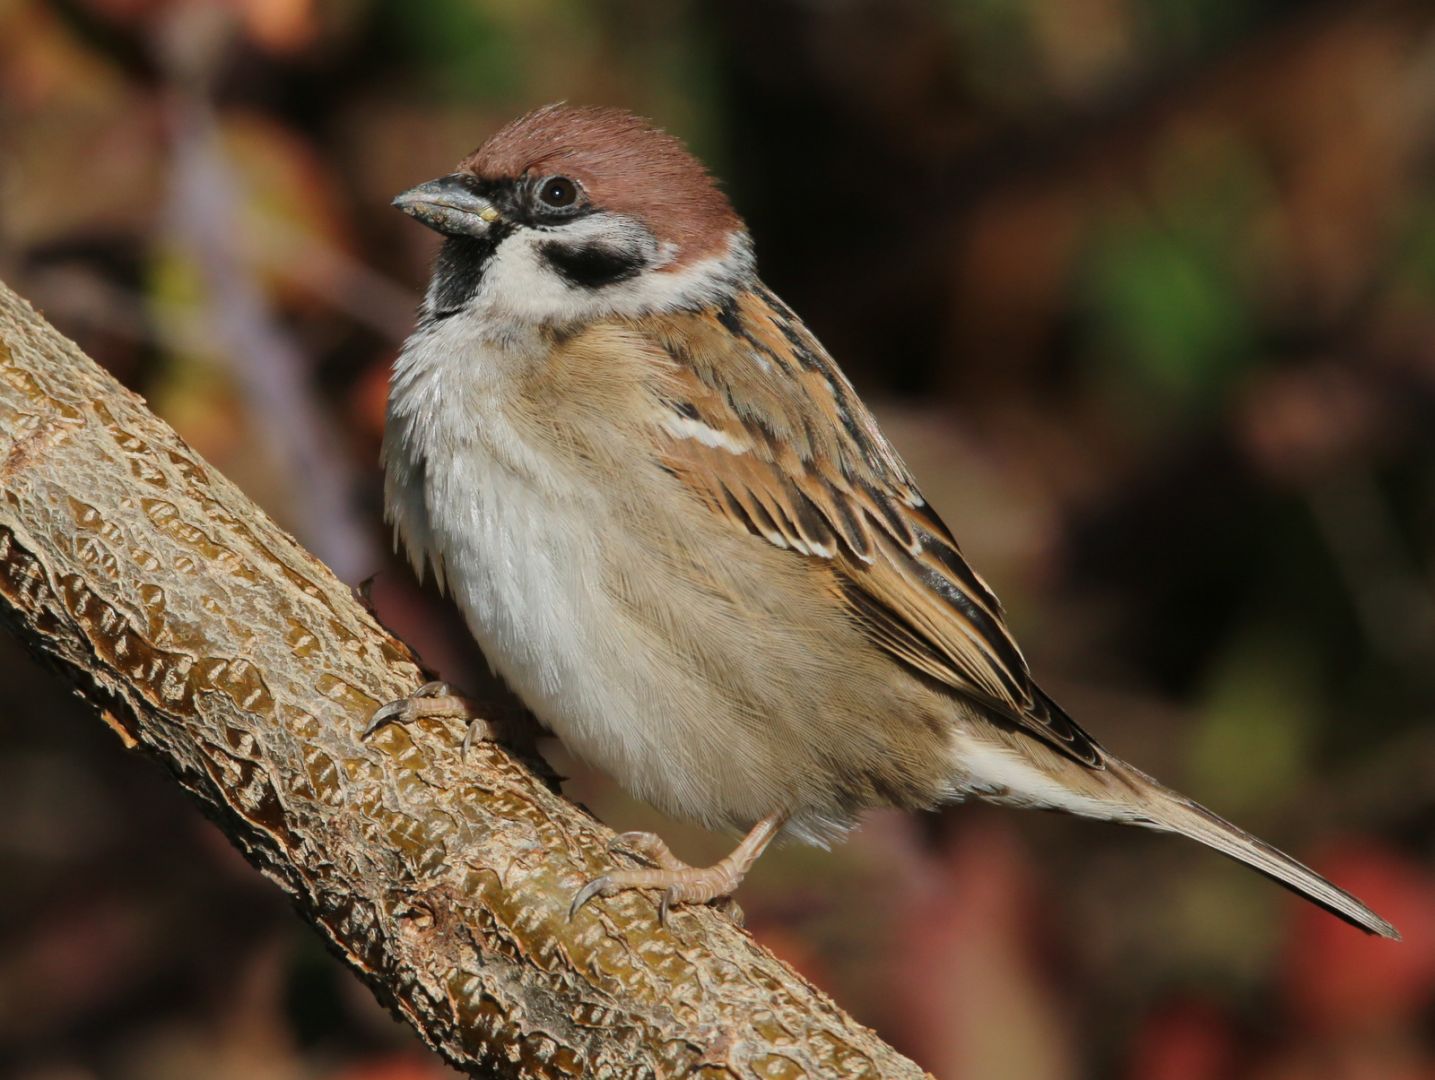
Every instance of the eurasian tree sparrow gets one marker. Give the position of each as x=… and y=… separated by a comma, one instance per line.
x=681, y=538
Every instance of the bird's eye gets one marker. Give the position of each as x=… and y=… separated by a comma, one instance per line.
x=558, y=192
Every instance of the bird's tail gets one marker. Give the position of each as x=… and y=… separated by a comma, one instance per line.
x=1167, y=811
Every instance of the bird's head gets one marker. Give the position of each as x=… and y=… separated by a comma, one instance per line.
x=570, y=213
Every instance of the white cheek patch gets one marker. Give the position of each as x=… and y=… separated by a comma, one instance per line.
x=520, y=285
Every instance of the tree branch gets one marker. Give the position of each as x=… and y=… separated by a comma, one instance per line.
x=208, y=638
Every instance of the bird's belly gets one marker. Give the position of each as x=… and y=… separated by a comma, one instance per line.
x=527, y=565
x=718, y=705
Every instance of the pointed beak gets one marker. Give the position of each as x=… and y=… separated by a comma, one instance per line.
x=449, y=205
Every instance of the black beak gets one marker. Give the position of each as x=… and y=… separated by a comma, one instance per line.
x=449, y=205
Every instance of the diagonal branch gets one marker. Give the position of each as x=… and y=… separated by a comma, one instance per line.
x=208, y=638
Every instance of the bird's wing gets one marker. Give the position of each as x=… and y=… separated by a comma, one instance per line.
x=760, y=424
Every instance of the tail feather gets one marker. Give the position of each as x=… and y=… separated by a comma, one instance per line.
x=1170, y=812
x=998, y=769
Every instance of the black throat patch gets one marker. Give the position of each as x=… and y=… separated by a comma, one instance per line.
x=458, y=270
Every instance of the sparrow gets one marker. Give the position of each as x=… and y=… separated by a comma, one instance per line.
x=681, y=538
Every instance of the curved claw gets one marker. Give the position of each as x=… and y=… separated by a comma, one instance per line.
x=385, y=714
x=594, y=888
x=400, y=711
x=474, y=728
x=671, y=895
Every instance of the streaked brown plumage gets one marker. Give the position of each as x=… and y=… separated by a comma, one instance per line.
x=816, y=476
x=681, y=537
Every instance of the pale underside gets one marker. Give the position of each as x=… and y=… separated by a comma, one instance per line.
x=609, y=525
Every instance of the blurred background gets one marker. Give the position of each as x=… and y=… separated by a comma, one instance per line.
x=1144, y=290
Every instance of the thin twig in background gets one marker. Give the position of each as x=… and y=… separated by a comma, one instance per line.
x=205, y=215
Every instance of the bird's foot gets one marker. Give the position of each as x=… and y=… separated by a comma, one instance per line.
x=649, y=846
x=436, y=699
x=679, y=882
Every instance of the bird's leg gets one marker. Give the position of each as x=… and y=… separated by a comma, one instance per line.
x=681, y=883
x=438, y=699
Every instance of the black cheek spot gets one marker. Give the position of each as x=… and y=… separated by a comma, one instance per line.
x=592, y=266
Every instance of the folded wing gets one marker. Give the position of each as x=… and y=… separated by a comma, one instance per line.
x=761, y=425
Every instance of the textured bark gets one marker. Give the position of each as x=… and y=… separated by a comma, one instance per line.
x=208, y=638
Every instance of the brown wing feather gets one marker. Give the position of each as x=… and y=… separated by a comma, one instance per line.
x=764, y=428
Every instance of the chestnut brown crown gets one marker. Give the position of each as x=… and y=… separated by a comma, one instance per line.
x=624, y=164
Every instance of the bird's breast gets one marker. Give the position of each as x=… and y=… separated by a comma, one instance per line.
x=701, y=667
x=494, y=490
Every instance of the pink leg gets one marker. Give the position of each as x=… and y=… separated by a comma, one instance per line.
x=683, y=884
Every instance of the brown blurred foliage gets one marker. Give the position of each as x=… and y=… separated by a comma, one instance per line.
x=1143, y=289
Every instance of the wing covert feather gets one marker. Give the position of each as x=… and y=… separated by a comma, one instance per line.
x=760, y=424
